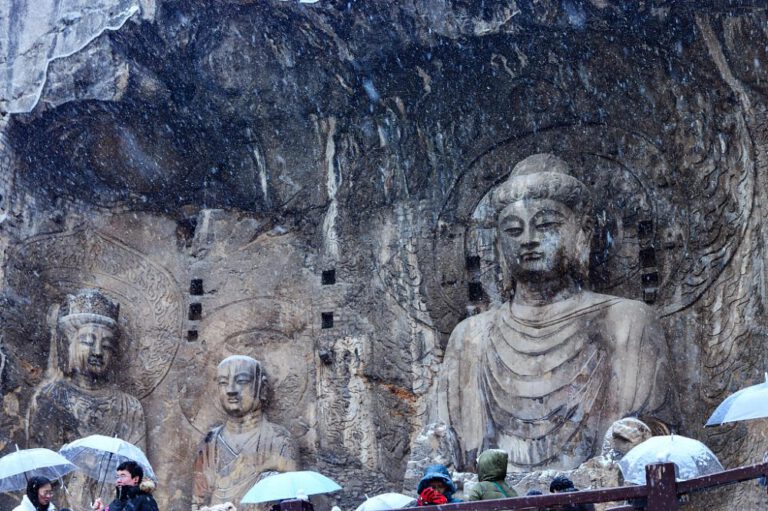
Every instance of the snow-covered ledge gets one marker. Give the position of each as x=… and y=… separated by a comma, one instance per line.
x=33, y=33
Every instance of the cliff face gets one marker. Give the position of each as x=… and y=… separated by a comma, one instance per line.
x=303, y=183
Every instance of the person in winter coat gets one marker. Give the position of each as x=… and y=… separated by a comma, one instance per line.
x=561, y=484
x=436, y=487
x=131, y=494
x=491, y=472
x=38, y=496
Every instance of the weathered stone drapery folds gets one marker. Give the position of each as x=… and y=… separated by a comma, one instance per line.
x=545, y=383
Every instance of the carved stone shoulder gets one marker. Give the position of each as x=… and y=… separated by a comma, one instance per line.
x=472, y=328
x=632, y=310
x=633, y=321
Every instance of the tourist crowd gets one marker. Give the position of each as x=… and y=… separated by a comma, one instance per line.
x=132, y=492
x=437, y=487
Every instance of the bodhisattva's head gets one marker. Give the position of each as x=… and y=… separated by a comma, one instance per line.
x=90, y=327
x=545, y=221
x=242, y=385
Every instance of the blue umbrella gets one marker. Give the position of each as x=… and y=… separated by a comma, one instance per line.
x=289, y=485
x=746, y=404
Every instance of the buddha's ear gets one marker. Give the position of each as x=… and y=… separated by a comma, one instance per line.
x=584, y=243
x=263, y=395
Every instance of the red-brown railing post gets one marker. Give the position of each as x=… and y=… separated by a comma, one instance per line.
x=662, y=487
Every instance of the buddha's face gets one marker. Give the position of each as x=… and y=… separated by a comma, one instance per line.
x=92, y=349
x=238, y=384
x=539, y=238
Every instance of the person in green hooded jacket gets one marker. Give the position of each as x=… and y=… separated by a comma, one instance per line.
x=491, y=472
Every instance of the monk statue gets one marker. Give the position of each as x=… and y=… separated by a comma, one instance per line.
x=544, y=375
x=84, y=395
x=247, y=447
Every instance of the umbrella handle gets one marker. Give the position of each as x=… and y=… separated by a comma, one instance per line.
x=101, y=488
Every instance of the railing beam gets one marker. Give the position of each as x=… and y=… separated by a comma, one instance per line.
x=660, y=491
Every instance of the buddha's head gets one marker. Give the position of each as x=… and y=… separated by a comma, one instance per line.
x=544, y=220
x=90, y=327
x=242, y=385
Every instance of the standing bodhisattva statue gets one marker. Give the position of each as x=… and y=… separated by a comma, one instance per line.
x=247, y=447
x=544, y=375
x=86, y=397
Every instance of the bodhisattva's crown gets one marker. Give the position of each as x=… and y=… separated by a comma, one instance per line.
x=92, y=301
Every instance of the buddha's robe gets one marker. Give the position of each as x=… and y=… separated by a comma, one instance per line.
x=224, y=473
x=545, y=382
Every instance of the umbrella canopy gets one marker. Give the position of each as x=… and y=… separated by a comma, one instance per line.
x=385, y=501
x=16, y=468
x=98, y=456
x=746, y=404
x=289, y=485
x=691, y=458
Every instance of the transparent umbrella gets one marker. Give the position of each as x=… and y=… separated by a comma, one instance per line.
x=16, y=468
x=748, y=403
x=385, y=502
x=289, y=485
x=98, y=456
x=691, y=458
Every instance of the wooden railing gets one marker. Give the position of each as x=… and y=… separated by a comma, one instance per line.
x=660, y=493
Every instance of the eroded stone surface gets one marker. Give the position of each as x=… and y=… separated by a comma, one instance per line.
x=255, y=146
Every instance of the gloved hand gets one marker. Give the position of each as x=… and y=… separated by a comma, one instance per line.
x=431, y=497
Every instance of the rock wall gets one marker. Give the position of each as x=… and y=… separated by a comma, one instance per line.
x=303, y=183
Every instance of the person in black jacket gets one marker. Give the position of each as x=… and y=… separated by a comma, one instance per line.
x=130, y=493
x=561, y=484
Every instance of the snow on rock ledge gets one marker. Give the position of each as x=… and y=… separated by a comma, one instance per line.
x=33, y=33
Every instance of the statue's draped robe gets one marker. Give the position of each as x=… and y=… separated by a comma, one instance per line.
x=62, y=412
x=225, y=474
x=545, y=382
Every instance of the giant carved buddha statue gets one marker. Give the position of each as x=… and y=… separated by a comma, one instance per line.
x=544, y=375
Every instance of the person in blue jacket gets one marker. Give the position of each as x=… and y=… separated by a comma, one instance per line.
x=436, y=487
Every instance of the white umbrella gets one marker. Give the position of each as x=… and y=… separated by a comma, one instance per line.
x=98, y=456
x=16, y=468
x=385, y=502
x=289, y=485
x=748, y=403
x=691, y=458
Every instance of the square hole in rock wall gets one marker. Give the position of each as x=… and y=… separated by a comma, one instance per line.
x=647, y=257
x=196, y=287
x=326, y=319
x=475, y=291
x=328, y=277
x=473, y=263
x=195, y=311
x=645, y=229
